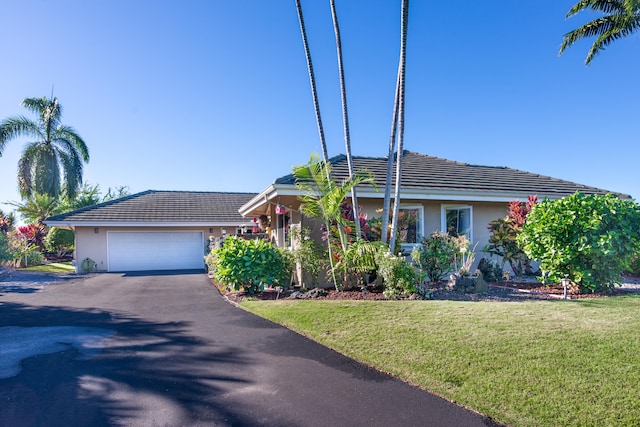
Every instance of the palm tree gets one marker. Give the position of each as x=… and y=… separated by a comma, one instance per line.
x=345, y=117
x=400, y=93
x=55, y=148
x=37, y=207
x=621, y=18
x=312, y=80
x=386, y=206
x=322, y=198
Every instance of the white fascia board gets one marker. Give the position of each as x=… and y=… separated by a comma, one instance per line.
x=258, y=200
x=246, y=222
x=271, y=192
x=461, y=196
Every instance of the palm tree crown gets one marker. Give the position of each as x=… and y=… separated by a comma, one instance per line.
x=55, y=149
x=621, y=18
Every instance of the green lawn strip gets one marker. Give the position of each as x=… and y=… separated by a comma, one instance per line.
x=537, y=363
x=54, y=267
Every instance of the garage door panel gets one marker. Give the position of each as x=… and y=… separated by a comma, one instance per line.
x=162, y=250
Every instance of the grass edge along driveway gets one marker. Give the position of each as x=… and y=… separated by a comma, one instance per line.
x=534, y=363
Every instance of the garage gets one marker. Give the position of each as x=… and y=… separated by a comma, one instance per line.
x=155, y=250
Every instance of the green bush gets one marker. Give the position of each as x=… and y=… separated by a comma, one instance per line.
x=313, y=259
x=5, y=250
x=436, y=254
x=491, y=270
x=60, y=241
x=634, y=265
x=32, y=257
x=589, y=239
x=400, y=277
x=251, y=264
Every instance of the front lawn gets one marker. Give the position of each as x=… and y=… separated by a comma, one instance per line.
x=533, y=363
x=53, y=267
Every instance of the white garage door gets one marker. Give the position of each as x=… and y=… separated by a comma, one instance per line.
x=155, y=250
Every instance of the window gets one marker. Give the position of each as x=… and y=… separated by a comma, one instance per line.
x=410, y=224
x=457, y=220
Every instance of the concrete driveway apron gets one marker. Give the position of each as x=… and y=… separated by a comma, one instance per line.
x=167, y=350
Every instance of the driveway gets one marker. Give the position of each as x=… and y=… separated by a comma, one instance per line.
x=167, y=350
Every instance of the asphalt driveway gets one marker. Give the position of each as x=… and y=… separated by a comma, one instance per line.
x=167, y=350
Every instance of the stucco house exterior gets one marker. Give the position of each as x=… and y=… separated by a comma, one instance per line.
x=154, y=230
x=439, y=194
x=171, y=230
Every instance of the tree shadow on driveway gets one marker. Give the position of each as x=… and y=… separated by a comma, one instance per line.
x=146, y=373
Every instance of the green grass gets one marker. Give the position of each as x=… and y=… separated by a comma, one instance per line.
x=54, y=267
x=537, y=363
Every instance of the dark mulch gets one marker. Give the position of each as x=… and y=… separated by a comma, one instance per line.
x=497, y=291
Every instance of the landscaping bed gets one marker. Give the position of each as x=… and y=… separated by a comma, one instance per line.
x=528, y=289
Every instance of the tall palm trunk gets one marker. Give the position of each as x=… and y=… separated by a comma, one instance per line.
x=387, y=185
x=401, y=81
x=312, y=80
x=345, y=117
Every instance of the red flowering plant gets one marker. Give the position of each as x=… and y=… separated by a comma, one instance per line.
x=504, y=234
x=33, y=233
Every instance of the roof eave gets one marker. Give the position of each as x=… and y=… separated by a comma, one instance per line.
x=97, y=223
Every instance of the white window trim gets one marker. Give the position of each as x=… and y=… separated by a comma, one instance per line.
x=443, y=218
x=408, y=247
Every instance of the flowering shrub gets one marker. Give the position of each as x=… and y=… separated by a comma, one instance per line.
x=504, y=236
x=400, y=277
x=436, y=254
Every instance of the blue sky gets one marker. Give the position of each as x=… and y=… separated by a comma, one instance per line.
x=214, y=95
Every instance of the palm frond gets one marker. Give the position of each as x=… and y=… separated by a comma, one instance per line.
x=604, y=6
x=69, y=136
x=622, y=17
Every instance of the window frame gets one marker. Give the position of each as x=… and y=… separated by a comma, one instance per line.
x=408, y=247
x=443, y=217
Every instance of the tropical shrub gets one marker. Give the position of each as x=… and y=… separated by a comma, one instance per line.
x=251, y=264
x=34, y=234
x=491, y=269
x=435, y=255
x=400, y=277
x=5, y=251
x=589, y=239
x=21, y=251
x=60, y=241
x=634, y=265
x=361, y=262
x=311, y=257
x=504, y=237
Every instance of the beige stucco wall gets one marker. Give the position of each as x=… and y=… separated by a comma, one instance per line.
x=90, y=244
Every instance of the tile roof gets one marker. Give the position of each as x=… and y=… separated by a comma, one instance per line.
x=164, y=206
x=428, y=173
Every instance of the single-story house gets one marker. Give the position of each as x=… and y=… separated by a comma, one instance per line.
x=436, y=195
x=167, y=230
x=154, y=230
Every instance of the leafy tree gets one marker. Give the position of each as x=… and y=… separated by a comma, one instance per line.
x=621, y=18
x=589, y=239
x=60, y=241
x=322, y=198
x=54, y=148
